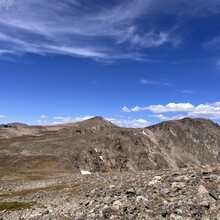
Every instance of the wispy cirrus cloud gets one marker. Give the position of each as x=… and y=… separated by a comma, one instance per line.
x=185, y=91
x=208, y=110
x=151, y=82
x=89, y=29
x=213, y=43
x=5, y=52
x=2, y=116
x=146, y=40
x=76, y=28
x=218, y=64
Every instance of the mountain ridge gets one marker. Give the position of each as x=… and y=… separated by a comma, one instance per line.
x=97, y=145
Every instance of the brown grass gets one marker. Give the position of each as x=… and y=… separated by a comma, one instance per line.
x=72, y=189
x=212, y=185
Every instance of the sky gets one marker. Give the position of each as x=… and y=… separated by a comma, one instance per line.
x=133, y=62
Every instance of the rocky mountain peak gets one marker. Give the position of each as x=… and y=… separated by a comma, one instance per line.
x=97, y=118
x=96, y=121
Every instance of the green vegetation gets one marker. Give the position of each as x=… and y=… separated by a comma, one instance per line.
x=15, y=206
x=65, y=188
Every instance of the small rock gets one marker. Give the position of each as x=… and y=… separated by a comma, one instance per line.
x=157, y=178
x=117, y=205
x=178, y=185
x=202, y=190
x=107, y=212
x=175, y=217
x=141, y=199
x=155, y=181
x=164, y=191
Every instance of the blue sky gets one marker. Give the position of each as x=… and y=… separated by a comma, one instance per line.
x=136, y=62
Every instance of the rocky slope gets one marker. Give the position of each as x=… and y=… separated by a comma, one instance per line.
x=187, y=194
x=167, y=171
x=97, y=145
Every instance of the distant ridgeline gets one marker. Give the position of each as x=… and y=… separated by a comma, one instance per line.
x=97, y=145
x=13, y=125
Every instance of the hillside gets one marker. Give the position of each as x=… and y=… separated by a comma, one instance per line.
x=165, y=171
x=97, y=145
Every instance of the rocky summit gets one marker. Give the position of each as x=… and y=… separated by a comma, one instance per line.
x=97, y=170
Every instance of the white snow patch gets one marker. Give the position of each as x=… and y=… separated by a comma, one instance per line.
x=101, y=158
x=144, y=133
x=84, y=172
x=96, y=150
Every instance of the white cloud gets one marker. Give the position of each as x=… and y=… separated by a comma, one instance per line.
x=147, y=40
x=166, y=118
x=2, y=52
x=150, y=82
x=134, y=109
x=209, y=110
x=190, y=92
x=43, y=116
x=159, y=116
x=42, y=122
x=145, y=81
x=215, y=104
x=64, y=120
x=126, y=109
x=133, y=123
x=74, y=51
x=2, y=116
x=171, y=107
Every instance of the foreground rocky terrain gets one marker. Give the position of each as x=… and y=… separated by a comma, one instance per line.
x=187, y=193
x=96, y=170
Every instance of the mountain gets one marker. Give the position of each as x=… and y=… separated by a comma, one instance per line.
x=13, y=125
x=188, y=141
x=97, y=145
